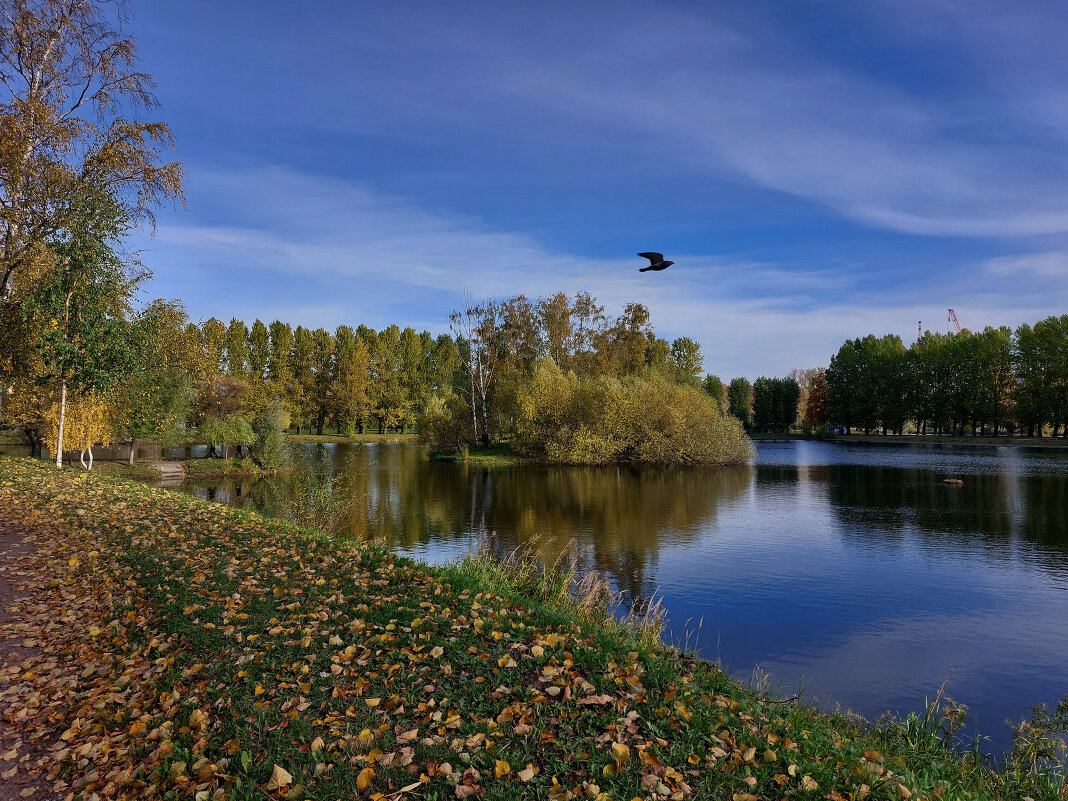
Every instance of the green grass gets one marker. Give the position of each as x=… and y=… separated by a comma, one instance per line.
x=495, y=455
x=194, y=647
x=224, y=468
x=306, y=439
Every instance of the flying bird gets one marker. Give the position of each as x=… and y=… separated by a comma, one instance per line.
x=656, y=262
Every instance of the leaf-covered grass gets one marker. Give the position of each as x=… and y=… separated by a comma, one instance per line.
x=191, y=650
x=122, y=469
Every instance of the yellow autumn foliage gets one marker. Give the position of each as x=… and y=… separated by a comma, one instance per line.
x=573, y=419
x=89, y=422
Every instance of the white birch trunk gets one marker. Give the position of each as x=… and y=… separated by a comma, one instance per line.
x=62, y=416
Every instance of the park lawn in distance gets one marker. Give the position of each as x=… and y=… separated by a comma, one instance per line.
x=194, y=650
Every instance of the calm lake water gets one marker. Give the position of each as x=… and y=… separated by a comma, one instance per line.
x=849, y=572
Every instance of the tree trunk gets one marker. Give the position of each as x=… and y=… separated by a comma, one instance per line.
x=81, y=458
x=62, y=414
x=90, y=457
x=34, y=438
x=474, y=414
x=132, y=443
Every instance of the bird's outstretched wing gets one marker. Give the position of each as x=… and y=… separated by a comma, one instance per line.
x=654, y=258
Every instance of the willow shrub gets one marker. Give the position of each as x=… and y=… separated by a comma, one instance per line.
x=579, y=420
x=446, y=424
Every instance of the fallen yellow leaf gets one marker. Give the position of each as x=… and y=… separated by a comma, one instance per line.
x=364, y=778
x=280, y=777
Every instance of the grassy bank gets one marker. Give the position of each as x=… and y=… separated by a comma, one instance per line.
x=916, y=439
x=225, y=468
x=312, y=439
x=495, y=455
x=194, y=650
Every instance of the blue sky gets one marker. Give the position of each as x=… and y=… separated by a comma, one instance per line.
x=817, y=170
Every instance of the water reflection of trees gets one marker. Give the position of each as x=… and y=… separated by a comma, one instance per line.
x=987, y=514
x=617, y=516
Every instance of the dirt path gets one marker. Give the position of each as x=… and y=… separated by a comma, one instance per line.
x=18, y=749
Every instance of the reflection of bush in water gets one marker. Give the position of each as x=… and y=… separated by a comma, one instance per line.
x=618, y=515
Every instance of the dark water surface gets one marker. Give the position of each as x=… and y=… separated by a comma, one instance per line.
x=848, y=571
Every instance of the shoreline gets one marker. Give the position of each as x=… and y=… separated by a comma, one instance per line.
x=911, y=439
x=327, y=654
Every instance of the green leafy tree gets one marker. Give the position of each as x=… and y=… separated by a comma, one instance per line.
x=763, y=404
x=994, y=354
x=258, y=352
x=302, y=396
x=843, y=386
x=350, y=392
x=270, y=435
x=235, y=344
x=321, y=357
x=154, y=401
x=554, y=320
x=84, y=342
x=621, y=347
x=714, y=387
x=739, y=393
x=688, y=361
x=233, y=429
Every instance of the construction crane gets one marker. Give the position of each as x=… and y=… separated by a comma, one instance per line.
x=953, y=319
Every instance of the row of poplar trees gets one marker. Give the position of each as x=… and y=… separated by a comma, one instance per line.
x=995, y=381
x=348, y=380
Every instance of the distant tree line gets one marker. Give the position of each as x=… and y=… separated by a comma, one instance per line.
x=349, y=379
x=773, y=405
x=990, y=382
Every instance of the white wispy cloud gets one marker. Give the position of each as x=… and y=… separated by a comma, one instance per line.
x=322, y=251
x=735, y=94
x=1050, y=264
x=863, y=147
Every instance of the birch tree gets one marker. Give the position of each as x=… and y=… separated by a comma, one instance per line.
x=67, y=74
